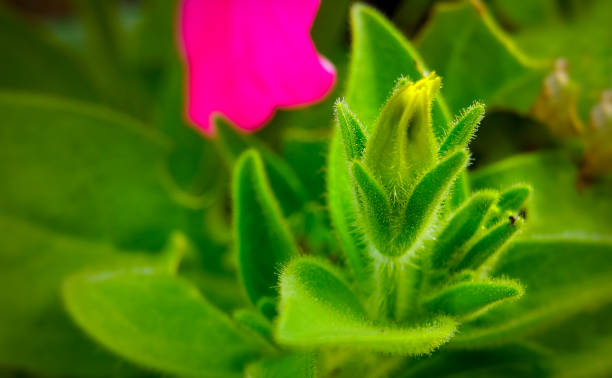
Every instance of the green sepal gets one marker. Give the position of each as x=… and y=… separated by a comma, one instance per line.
x=263, y=240
x=375, y=207
x=402, y=145
x=489, y=244
x=510, y=202
x=353, y=135
x=160, y=321
x=461, y=227
x=426, y=199
x=463, y=129
x=318, y=308
x=469, y=297
x=287, y=187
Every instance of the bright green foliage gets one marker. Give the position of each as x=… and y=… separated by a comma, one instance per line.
x=462, y=225
x=263, y=240
x=120, y=255
x=464, y=298
x=318, y=308
x=554, y=291
x=453, y=43
x=463, y=129
x=160, y=321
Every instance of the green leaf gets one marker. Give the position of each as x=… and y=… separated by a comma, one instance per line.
x=463, y=224
x=466, y=298
x=477, y=61
x=31, y=61
x=375, y=206
x=381, y=55
x=36, y=335
x=564, y=276
x=318, y=308
x=559, y=203
x=509, y=204
x=490, y=244
x=463, y=129
x=353, y=135
x=159, y=321
x=427, y=196
x=288, y=189
x=86, y=171
x=300, y=365
x=263, y=239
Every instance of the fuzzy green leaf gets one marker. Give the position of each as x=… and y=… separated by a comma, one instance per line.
x=564, y=276
x=509, y=204
x=560, y=201
x=263, y=239
x=159, y=321
x=353, y=135
x=466, y=298
x=456, y=40
x=461, y=227
x=375, y=206
x=463, y=129
x=318, y=308
x=287, y=187
x=489, y=244
x=427, y=196
x=300, y=365
x=381, y=55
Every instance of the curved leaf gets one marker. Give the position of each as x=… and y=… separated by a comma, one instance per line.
x=159, y=321
x=319, y=309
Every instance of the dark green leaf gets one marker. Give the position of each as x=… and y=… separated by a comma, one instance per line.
x=300, y=365
x=263, y=239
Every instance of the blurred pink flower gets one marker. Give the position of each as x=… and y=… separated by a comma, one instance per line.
x=247, y=57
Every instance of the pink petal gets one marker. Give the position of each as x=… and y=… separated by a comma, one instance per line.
x=247, y=57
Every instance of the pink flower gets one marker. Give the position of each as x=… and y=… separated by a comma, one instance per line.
x=247, y=57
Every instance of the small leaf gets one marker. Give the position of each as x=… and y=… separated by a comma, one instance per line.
x=489, y=244
x=263, y=239
x=353, y=135
x=427, y=196
x=466, y=298
x=461, y=227
x=300, y=365
x=159, y=321
x=375, y=206
x=463, y=129
x=564, y=276
x=319, y=309
x=509, y=204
